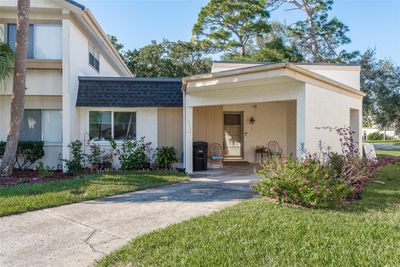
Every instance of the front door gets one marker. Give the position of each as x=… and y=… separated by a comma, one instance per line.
x=233, y=134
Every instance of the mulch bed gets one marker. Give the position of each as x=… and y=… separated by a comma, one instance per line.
x=29, y=177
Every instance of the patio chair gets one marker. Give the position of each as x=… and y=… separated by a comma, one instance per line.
x=275, y=149
x=215, y=155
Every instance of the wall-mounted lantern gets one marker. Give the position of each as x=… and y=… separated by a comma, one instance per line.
x=252, y=120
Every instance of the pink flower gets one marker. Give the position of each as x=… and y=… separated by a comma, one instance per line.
x=305, y=180
x=318, y=193
x=284, y=192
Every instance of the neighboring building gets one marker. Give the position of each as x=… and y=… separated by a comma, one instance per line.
x=79, y=88
x=390, y=132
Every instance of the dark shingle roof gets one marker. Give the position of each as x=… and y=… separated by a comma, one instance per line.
x=129, y=92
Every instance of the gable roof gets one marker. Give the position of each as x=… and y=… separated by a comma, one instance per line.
x=129, y=92
x=86, y=19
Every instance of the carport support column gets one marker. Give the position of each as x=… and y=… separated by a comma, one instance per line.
x=189, y=139
x=301, y=125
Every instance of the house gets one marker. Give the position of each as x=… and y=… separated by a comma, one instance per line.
x=79, y=88
x=245, y=105
x=65, y=42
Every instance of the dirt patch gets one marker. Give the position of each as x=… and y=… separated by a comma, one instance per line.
x=29, y=177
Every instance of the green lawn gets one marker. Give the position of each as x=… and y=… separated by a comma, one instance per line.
x=389, y=142
x=39, y=196
x=388, y=152
x=257, y=233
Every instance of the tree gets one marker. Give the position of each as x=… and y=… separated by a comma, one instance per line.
x=18, y=94
x=317, y=37
x=6, y=63
x=167, y=59
x=271, y=47
x=231, y=25
x=380, y=80
x=118, y=46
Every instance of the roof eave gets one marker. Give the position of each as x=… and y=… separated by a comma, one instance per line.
x=270, y=67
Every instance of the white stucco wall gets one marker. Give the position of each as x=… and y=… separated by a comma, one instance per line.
x=325, y=108
x=348, y=75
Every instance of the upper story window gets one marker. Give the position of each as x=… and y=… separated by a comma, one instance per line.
x=45, y=40
x=94, y=57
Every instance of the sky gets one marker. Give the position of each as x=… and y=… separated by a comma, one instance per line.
x=372, y=23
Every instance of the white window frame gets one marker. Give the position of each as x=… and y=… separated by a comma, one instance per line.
x=104, y=142
x=33, y=41
x=96, y=55
x=42, y=127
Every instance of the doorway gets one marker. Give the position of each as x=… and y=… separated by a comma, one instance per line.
x=233, y=135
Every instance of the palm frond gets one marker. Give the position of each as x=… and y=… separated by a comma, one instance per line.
x=6, y=63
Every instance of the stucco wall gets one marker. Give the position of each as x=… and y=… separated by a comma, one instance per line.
x=38, y=82
x=325, y=108
x=170, y=129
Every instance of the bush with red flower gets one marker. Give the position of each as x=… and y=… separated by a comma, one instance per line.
x=323, y=180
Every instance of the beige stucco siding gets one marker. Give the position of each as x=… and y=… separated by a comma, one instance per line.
x=208, y=124
x=271, y=125
x=170, y=128
x=38, y=82
x=274, y=121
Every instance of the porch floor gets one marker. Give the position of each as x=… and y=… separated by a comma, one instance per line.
x=240, y=173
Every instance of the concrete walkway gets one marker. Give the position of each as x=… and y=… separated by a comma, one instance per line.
x=79, y=234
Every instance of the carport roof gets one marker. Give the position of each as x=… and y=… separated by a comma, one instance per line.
x=266, y=67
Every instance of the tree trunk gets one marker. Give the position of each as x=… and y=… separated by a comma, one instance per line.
x=18, y=94
x=313, y=33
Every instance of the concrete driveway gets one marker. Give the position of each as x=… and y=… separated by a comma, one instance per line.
x=79, y=234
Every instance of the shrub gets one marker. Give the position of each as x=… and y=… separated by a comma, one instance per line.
x=75, y=164
x=166, y=156
x=95, y=155
x=303, y=183
x=28, y=152
x=375, y=136
x=43, y=171
x=134, y=155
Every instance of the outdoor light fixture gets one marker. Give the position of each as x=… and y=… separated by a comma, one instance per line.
x=252, y=120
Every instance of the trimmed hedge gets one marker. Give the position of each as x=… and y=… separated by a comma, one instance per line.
x=28, y=152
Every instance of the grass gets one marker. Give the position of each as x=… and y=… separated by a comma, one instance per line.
x=25, y=198
x=261, y=233
x=388, y=152
x=388, y=142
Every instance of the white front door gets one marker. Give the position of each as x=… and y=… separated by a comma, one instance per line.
x=233, y=134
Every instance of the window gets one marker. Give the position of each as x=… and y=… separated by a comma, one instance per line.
x=31, y=127
x=41, y=125
x=104, y=125
x=45, y=40
x=52, y=126
x=94, y=57
x=100, y=125
x=124, y=125
x=2, y=33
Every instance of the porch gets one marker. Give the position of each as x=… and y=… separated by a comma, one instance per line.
x=240, y=128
